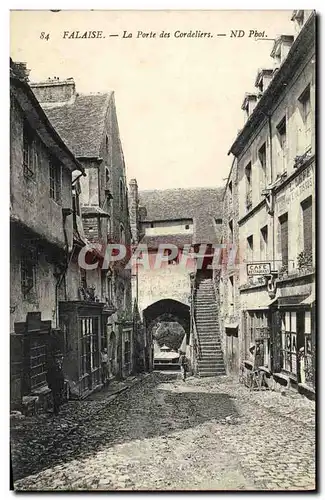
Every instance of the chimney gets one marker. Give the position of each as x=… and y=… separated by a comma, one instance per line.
x=133, y=210
x=281, y=49
x=55, y=91
x=19, y=70
x=263, y=79
x=249, y=103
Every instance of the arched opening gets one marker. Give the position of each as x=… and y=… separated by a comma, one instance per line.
x=168, y=324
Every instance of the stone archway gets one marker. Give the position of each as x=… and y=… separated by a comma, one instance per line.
x=167, y=314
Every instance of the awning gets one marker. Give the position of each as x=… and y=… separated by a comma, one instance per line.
x=231, y=325
x=292, y=300
x=309, y=300
x=263, y=307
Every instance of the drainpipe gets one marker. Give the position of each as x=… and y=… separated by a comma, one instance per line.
x=61, y=276
x=272, y=176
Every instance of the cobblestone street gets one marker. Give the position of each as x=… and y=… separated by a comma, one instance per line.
x=164, y=434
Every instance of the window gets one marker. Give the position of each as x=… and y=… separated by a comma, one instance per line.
x=231, y=232
x=231, y=295
x=106, y=144
x=174, y=260
x=152, y=225
x=108, y=227
x=250, y=248
x=307, y=218
x=282, y=145
x=264, y=242
x=187, y=226
x=283, y=220
x=55, y=181
x=122, y=232
x=218, y=221
x=83, y=278
x=106, y=178
x=121, y=195
x=89, y=349
x=75, y=202
x=28, y=262
x=103, y=281
x=305, y=107
x=248, y=175
x=38, y=365
x=30, y=153
x=262, y=160
x=127, y=351
x=289, y=342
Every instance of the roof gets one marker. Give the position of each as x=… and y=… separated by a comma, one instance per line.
x=202, y=205
x=93, y=210
x=38, y=119
x=166, y=355
x=179, y=240
x=81, y=123
x=300, y=47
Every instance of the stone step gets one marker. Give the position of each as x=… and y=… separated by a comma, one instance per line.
x=207, y=362
x=213, y=374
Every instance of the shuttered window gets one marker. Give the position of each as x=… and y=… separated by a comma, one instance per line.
x=307, y=218
x=284, y=238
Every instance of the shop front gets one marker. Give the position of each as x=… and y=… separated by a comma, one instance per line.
x=297, y=338
x=82, y=322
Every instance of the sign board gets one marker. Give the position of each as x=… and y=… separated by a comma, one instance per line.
x=259, y=269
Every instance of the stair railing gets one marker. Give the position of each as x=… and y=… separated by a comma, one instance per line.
x=196, y=339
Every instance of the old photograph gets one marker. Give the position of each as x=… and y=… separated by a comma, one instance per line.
x=162, y=250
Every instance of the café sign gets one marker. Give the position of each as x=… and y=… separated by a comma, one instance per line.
x=259, y=269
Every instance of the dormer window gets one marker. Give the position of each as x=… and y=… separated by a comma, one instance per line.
x=249, y=104
x=263, y=79
x=298, y=17
x=281, y=48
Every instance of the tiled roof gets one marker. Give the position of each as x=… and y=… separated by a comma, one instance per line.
x=179, y=240
x=81, y=123
x=202, y=205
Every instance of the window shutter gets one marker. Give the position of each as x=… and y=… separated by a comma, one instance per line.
x=284, y=239
x=307, y=224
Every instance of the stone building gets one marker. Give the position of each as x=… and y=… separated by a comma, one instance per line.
x=41, y=239
x=169, y=286
x=230, y=311
x=88, y=125
x=274, y=223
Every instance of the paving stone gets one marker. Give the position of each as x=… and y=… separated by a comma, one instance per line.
x=164, y=434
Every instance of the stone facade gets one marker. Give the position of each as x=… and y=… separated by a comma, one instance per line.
x=275, y=217
x=41, y=225
x=103, y=203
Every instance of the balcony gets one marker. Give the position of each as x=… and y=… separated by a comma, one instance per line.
x=304, y=267
x=300, y=160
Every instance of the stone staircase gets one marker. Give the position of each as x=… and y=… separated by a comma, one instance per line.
x=210, y=361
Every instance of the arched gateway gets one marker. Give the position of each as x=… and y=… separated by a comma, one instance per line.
x=167, y=321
